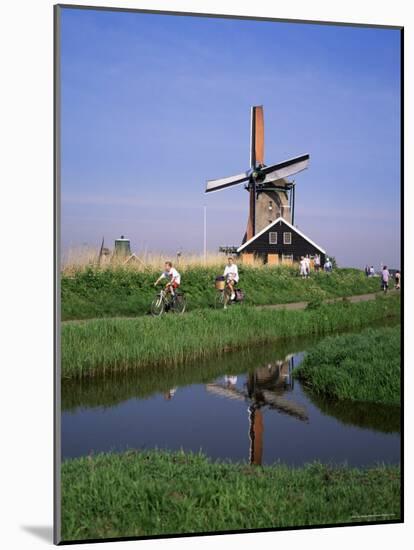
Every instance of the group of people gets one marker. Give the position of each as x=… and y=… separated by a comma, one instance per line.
x=305, y=265
x=385, y=277
x=231, y=276
x=369, y=271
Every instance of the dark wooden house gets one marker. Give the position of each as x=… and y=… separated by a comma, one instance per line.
x=280, y=242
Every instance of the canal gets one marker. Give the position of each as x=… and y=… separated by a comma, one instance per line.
x=242, y=406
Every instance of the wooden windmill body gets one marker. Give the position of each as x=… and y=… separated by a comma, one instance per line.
x=271, y=195
x=268, y=201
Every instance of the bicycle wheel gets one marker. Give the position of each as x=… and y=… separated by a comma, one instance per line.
x=157, y=306
x=178, y=304
x=219, y=299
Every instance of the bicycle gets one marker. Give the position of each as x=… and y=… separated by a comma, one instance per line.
x=164, y=302
x=223, y=298
x=219, y=299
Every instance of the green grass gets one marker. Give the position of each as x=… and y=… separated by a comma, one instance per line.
x=123, y=292
x=115, y=387
x=361, y=367
x=155, y=493
x=108, y=345
x=368, y=415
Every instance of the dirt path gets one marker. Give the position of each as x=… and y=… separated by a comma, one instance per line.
x=290, y=306
x=352, y=299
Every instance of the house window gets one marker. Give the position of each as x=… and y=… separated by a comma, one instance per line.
x=287, y=237
x=272, y=237
x=287, y=259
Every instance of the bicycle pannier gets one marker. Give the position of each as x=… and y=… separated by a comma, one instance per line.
x=220, y=284
x=239, y=295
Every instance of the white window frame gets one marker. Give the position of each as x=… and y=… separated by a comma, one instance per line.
x=287, y=257
x=285, y=234
x=271, y=234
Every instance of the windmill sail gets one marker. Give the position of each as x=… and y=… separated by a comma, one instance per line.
x=256, y=158
x=222, y=183
x=286, y=168
x=257, y=136
x=266, y=185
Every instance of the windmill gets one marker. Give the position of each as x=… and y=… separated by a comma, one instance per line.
x=270, y=194
x=264, y=388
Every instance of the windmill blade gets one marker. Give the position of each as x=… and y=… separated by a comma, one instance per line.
x=256, y=136
x=286, y=168
x=222, y=183
x=284, y=405
x=224, y=391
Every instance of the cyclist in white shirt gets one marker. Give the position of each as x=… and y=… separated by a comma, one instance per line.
x=231, y=274
x=174, y=278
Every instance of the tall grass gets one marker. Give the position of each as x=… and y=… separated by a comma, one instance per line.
x=143, y=382
x=78, y=259
x=126, y=292
x=108, y=345
x=156, y=493
x=361, y=367
x=114, y=388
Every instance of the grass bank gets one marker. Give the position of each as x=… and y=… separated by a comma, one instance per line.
x=122, y=292
x=363, y=414
x=361, y=367
x=115, y=387
x=108, y=345
x=154, y=493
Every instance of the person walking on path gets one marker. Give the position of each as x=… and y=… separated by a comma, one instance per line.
x=385, y=276
x=308, y=264
x=371, y=271
x=397, y=280
x=328, y=266
x=367, y=270
x=317, y=262
x=302, y=266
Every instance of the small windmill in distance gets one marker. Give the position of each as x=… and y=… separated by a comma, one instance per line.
x=270, y=195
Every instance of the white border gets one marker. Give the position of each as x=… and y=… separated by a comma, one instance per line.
x=26, y=271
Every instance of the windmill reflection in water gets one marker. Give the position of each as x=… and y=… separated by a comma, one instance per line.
x=265, y=387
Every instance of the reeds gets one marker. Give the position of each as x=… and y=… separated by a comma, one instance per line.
x=80, y=258
x=102, y=346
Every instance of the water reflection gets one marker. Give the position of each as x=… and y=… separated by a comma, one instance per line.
x=381, y=418
x=264, y=387
x=239, y=406
x=170, y=393
x=143, y=383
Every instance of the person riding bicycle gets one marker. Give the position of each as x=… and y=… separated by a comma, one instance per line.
x=174, y=278
x=231, y=274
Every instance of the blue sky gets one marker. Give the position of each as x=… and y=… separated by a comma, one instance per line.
x=153, y=105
